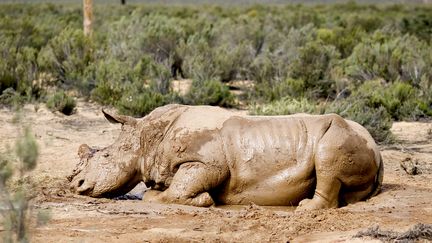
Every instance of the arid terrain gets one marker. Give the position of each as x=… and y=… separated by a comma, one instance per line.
x=405, y=200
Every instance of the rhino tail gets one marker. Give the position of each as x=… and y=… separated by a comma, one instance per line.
x=378, y=179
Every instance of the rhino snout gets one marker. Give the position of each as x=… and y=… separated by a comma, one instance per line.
x=82, y=186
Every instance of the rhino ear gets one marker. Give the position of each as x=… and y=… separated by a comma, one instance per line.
x=124, y=120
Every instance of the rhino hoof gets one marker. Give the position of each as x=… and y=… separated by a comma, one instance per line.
x=303, y=205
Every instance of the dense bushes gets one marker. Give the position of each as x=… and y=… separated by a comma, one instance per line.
x=368, y=63
x=60, y=101
x=210, y=92
x=391, y=57
x=66, y=57
x=18, y=66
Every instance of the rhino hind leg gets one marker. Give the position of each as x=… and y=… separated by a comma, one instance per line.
x=345, y=168
x=326, y=194
x=190, y=185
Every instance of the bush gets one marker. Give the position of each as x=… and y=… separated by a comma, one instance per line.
x=391, y=58
x=11, y=98
x=302, y=56
x=210, y=92
x=60, y=101
x=139, y=101
x=376, y=120
x=417, y=24
x=16, y=205
x=313, y=66
x=401, y=100
x=109, y=78
x=152, y=36
x=18, y=68
x=66, y=57
x=224, y=51
x=275, y=62
x=290, y=87
x=287, y=106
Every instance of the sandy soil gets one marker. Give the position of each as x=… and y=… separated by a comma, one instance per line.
x=405, y=199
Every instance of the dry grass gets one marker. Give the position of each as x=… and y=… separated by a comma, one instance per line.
x=417, y=232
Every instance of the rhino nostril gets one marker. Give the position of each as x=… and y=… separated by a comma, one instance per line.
x=84, y=188
x=150, y=184
x=80, y=182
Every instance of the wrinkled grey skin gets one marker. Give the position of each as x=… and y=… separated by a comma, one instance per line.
x=202, y=155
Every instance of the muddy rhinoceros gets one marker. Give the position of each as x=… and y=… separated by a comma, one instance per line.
x=203, y=155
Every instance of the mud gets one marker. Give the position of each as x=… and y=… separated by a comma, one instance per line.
x=403, y=203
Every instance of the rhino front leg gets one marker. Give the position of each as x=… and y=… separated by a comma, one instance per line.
x=190, y=185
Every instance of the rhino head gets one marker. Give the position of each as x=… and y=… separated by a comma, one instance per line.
x=118, y=168
x=110, y=171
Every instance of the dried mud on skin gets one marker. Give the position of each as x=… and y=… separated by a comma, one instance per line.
x=405, y=200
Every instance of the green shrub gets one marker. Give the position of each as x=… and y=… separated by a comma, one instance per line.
x=287, y=106
x=313, y=66
x=11, y=98
x=16, y=213
x=344, y=39
x=160, y=73
x=18, y=68
x=67, y=56
x=300, y=57
x=140, y=100
x=199, y=58
x=60, y=101
x=275, y=62
x=153, y=36
x=289, y=87
x=376, y=120
x=391, y=58
x=210, y=92
x=401, y=100
x=106, y=93
x=418, y=24
x=113, y=79
x=109, y=77
x=425, y=107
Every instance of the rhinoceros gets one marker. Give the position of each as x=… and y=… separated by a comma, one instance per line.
x=204, y=155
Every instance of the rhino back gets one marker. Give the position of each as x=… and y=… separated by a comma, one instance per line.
x=270, y=155
x=197, y=118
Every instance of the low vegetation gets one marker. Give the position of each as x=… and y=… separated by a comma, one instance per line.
x=60, y=101
x=16, y=188
x=369, y=63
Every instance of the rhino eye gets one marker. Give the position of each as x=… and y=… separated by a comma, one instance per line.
x=105, y=155
x=126, y=147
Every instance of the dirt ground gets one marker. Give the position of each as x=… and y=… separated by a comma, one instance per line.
x=404, y=201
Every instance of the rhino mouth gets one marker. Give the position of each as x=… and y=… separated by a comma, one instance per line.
x=156, y=186
x=122, y=189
